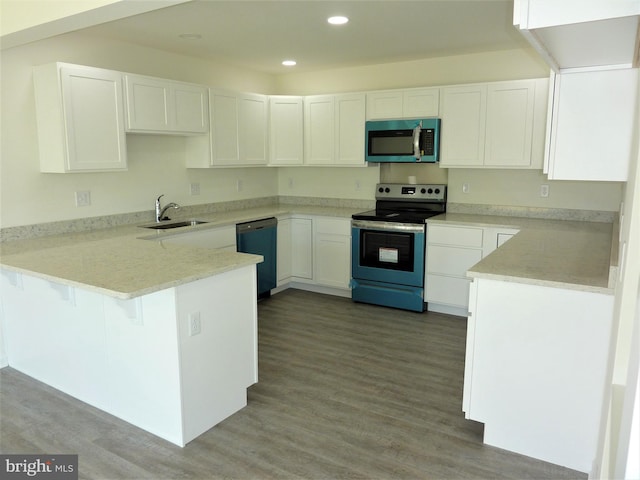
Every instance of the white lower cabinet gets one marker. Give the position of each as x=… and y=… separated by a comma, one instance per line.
x=332, y=242
x=535, y=369
x=301, y=248
x=283, y=251
x=451, y=251
x=314, y=253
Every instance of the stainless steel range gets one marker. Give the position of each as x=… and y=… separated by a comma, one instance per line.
x=388, y=245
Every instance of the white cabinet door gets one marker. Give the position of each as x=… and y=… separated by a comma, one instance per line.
x=302, y=248
x=319, y=129
x=284, y=250
x=191, y=108
x=252, y=129
x=80, y=118
x=350, y=120
x=155, y=105
x=384, y=104
x=463, y=112
x=592, y=125
x=224, y=128
x=334, y=129
x=493, y=125
x=285, y=130
x=509, y=125
x=332, y=249
x=403, y=103
x=147, y=104
x=421, y=102
x=451, y=251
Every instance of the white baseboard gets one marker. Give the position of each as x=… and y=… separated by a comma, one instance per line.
x=438, y=308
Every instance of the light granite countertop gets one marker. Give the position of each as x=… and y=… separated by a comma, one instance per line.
x=128, y=261
x=559, y=253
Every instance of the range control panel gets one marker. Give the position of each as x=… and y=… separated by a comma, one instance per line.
x=419, y=192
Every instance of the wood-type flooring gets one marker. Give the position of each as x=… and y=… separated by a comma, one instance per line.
x=345, y=390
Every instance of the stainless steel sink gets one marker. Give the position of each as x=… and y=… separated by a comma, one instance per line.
x=169, y=225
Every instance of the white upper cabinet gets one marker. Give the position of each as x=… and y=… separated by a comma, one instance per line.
x=252, y=129
x=285, y=130
x=403, y=103
x=155, y=105
x=509, y=124
x=238, y=133
x=224, y=128
x=334, y=129
x=349, y=137
x=319, y=129
x=463, y=113
x=592, y=125
x=580, y=33
x=79, y=112
x=494, y=125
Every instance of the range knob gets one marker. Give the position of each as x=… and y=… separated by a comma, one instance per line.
x=380, y=189
x=430, y=190
x=387, y=190
x=423, y=191
x=437, y=191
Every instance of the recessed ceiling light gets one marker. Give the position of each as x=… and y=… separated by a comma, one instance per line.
x=289, y=63
x=337, y=20
x=190, y=36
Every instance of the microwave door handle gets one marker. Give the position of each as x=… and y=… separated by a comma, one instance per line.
x=416, y=141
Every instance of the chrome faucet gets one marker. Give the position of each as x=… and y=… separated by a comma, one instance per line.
x=161, y=211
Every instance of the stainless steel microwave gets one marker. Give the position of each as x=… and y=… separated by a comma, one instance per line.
x=407, y=140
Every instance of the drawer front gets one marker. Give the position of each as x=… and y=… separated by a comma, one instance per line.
x=451, y=260
x=455, y=236
x=448, y=290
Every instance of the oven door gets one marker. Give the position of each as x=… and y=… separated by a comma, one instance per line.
x=388, y=252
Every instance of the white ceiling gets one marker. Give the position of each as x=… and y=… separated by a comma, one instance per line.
x=259, y=34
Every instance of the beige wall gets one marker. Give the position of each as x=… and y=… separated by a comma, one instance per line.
x=479, y=67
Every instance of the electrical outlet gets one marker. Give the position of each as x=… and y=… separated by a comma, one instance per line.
x=544, y=191
x=239, y=185
x=194, y=189
x=83, y=198
x=195, y=326
x=465, y=188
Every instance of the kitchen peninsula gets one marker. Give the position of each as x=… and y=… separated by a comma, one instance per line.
x=160, y=335
x=540, y=316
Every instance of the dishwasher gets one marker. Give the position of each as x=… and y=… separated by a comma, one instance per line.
x=260, y=238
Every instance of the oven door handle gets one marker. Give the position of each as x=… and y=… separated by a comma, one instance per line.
x=390, y=226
